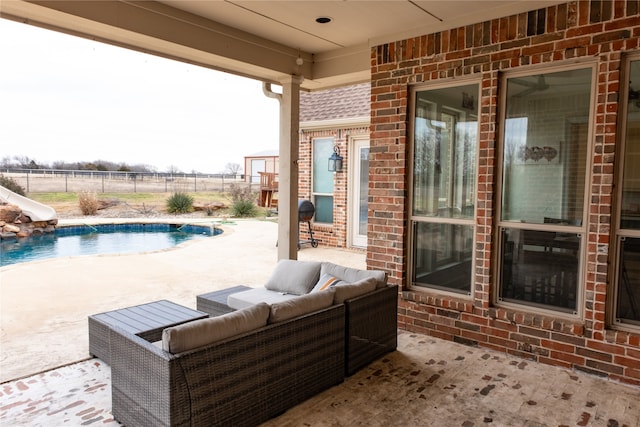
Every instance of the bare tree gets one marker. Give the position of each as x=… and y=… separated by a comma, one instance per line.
x=233, y=168
x=173, y=169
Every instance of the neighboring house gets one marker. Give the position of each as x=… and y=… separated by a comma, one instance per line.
x=264, y=161
x=336, y=118
x=504, y=193
x=331, y=118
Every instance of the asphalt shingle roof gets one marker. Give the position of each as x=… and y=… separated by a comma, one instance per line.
x=338, y=103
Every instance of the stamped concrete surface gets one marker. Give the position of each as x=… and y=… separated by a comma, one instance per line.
x=427, y=382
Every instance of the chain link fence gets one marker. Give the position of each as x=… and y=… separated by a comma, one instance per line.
x=69, y=181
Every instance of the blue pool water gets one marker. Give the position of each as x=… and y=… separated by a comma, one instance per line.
x=100, y=239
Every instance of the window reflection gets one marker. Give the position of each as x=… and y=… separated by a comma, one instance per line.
x=628, y=298
x=322, y=180
x=442, y=256
x=627, y=309
x=444, y=184
x=540, y=268
x=545, y=152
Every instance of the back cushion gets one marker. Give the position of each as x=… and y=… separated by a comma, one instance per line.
x=294, y=277
x=300, y=305
x=347, y=291
x=198, y=333
x=352, y=275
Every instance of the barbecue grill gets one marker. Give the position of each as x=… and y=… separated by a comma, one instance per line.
x=306, y=210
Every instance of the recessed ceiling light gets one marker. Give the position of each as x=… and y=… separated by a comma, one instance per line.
x=323, y=20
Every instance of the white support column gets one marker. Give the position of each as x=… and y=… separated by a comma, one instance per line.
x=288, y=174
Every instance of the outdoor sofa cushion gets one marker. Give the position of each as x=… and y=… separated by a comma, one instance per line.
x=347, y=291
x=254, y=296
x=326, y=281
x=294, y=277
x=198, y=333
x=300, y=305
x=352, y=275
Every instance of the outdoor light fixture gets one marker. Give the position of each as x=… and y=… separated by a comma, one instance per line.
x=335, y=161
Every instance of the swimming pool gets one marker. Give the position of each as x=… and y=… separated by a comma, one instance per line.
x=100, y=239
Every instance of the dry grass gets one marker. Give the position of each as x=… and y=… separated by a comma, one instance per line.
x=88, y=202
x=127, y=205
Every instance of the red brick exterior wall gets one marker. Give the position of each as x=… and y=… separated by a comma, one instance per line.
x=596, y=30
x=332, y=235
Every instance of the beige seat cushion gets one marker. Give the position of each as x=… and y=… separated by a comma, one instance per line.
x=198, y=333
x=254, y=296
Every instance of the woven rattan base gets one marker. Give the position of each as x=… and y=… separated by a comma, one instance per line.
x=146, y=320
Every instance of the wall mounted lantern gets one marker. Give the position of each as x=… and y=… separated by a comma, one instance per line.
x=335, y=161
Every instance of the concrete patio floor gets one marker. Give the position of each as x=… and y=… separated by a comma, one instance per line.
x=428, y=382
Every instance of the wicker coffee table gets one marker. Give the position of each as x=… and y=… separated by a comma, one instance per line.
x=145, y=320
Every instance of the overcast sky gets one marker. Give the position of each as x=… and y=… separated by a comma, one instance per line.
x=70, y=99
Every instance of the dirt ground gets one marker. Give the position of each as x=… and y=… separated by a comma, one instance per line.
x=122, y=209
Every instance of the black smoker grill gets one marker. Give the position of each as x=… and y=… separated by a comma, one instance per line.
x=306, y=210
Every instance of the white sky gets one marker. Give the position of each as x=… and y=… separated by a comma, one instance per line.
x=72, y=99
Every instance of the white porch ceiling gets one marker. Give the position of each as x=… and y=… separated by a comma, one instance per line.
x=263, y=39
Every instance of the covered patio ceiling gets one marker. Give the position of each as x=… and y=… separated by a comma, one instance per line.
x=264, y=40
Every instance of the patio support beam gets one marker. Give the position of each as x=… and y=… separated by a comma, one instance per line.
x=288, y=174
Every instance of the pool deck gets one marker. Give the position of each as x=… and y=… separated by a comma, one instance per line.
x=47, y=302
x=48, y=378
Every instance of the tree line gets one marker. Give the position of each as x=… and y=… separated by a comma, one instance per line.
x=24, y=162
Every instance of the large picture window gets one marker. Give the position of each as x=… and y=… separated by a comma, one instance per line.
x=545, y=147
x=322, y=186
x=445, y=138
x=627, y=289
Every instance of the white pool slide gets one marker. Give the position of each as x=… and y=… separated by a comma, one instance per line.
x=34, y=210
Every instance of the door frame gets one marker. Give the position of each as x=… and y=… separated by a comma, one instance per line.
x=353, y=205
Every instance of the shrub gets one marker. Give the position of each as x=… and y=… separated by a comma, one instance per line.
x=244, y=208
x=244, y=201
x=241, y=193
x=180, y=203
x=11, y=184
x=88, y=202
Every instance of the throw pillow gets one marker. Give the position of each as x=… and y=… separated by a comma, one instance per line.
x=351, y=290
x=198, y=333
x=352, y=275
x=304, y=304
x=326, y=281
x=294, y=277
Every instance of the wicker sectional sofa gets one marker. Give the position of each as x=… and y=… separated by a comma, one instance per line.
x=253, y=363
x=371, y=304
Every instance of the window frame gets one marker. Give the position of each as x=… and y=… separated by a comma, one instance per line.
x=500, y=225
x=314, y=193
x=413, y=219
x=618, y=232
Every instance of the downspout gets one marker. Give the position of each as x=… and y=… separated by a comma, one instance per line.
x=288, y=223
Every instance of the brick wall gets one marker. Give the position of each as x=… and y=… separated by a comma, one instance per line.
x=587, y=30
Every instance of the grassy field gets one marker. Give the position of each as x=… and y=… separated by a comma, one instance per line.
x=68, y=202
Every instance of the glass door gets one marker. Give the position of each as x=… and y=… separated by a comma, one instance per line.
x=359, y=197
